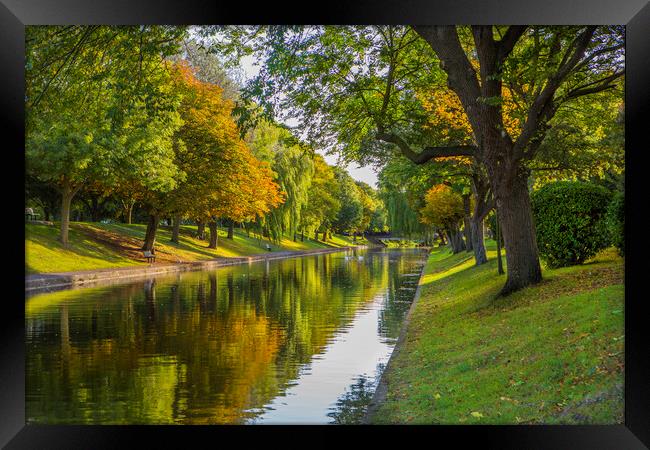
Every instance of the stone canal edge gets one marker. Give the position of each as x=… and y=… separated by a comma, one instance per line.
x=379, y=396
x=47, y=282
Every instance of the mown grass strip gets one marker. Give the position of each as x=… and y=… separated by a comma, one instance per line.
x=552, y=353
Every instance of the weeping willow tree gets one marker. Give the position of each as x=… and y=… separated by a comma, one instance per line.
x=293, y=168
x=402, y=219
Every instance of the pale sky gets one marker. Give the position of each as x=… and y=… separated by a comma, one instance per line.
x=365, y=174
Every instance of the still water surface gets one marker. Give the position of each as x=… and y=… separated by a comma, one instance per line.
x=299, y=340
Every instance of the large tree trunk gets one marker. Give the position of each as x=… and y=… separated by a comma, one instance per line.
x=478, y=246
x=150, y=234
x=176, y=226
x=518, y=229
x=214, y=234
x=467, y=229
x=200, y=230
x=231, y=230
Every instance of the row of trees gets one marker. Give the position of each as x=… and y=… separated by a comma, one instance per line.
x=126, y=116
x=504, y=106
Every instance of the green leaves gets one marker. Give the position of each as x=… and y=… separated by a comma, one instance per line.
x=569, y=221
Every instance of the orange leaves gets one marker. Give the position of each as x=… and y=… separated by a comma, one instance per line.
x=224, y=178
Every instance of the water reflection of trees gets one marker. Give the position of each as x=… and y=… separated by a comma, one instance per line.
x=192, y=348
x=351, y=407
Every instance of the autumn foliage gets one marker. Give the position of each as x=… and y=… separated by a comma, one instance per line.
x=224, y=178
x=443, y=207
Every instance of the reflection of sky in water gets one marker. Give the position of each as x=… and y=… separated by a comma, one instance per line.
x=356, y=351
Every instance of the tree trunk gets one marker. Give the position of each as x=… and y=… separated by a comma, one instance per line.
x=67, y=194
x=176, y=226
x=441, y=233
x=94, y=210
x=455, y=238
x=467, y=226
x=518, y=229
x=302, y=236
x=150, y=234
x=478, y=246
x=200, y=230
x=214, y=236
x=231, y=230
x=497, y=236
x=129, y=212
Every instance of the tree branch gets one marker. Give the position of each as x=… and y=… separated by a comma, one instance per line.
x=507, y=43
x=542, y=105
x=427, y=153
x=585, y=89
x=461, y=76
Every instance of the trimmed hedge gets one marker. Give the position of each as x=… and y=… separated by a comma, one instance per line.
x=616, y=221
x=570, y=221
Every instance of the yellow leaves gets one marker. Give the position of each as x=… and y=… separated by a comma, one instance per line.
x=447, y=115
x=449, y=121
x=476, y=414
x=442, y=206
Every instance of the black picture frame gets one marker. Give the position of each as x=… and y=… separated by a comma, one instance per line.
x=15, y=14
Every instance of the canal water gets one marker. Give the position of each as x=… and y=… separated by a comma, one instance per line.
x=294, y=341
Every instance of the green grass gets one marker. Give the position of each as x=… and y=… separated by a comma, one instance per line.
x=399, y=243
x=99, y=246
x=44, y=253
x=551, y=353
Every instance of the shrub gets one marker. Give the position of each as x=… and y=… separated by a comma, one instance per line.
x=570, y=221
x=616, y=221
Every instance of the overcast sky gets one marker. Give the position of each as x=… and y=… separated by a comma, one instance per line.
x=365, y=174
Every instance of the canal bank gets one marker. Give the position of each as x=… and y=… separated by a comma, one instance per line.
x=382, y=386
x=47, y=282
x=548, y=354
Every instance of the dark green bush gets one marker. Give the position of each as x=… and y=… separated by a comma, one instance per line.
x=570, y=221
x=616, y=221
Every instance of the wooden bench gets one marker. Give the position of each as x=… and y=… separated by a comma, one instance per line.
x=150, y=256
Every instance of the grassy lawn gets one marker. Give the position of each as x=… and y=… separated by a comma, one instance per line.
x=552, y=353
x=99, y=246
